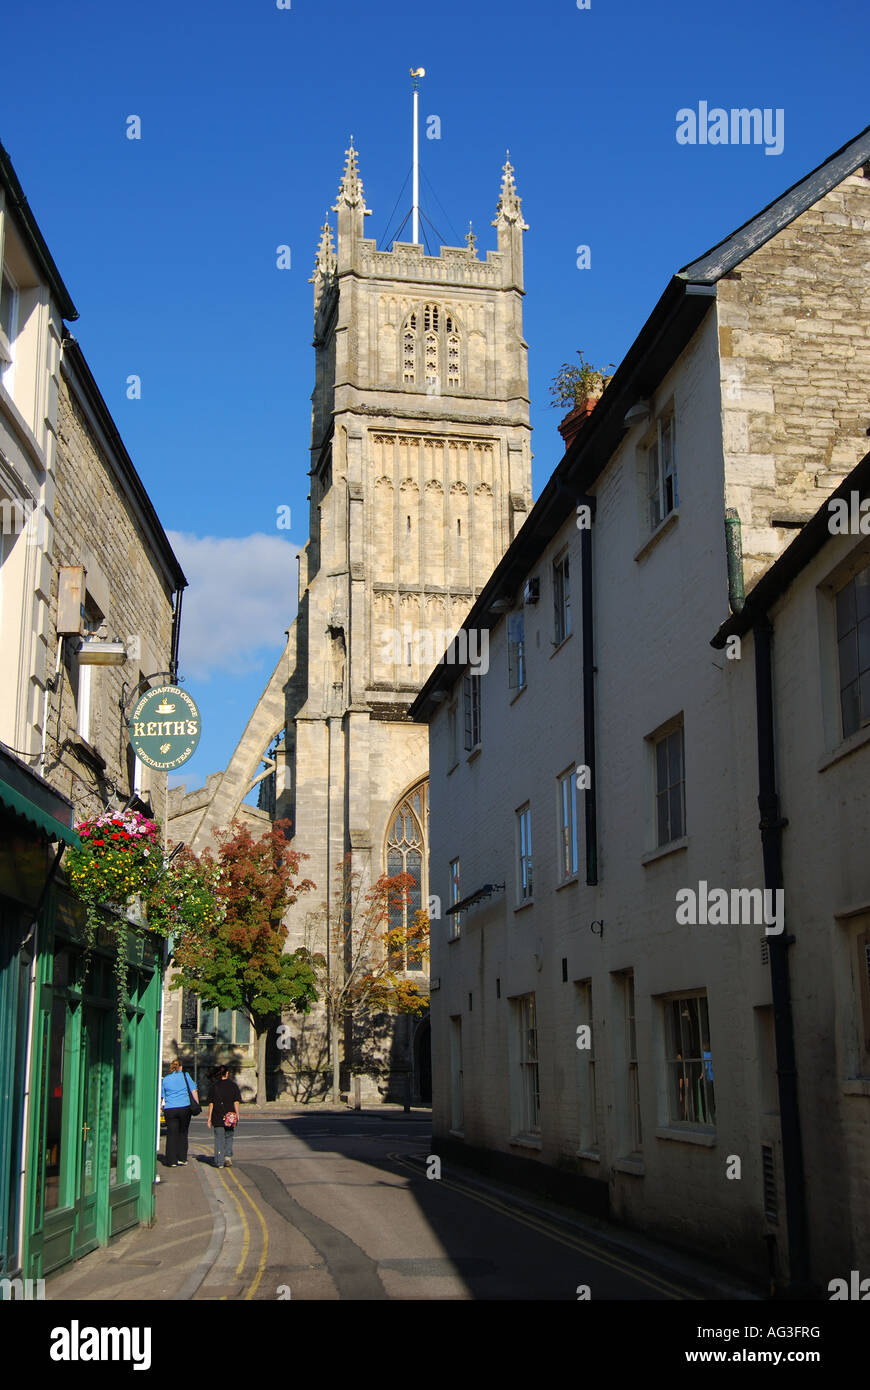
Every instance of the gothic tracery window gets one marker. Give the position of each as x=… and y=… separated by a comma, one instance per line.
x=441, y=349
x=431, y=358
x=407, y=852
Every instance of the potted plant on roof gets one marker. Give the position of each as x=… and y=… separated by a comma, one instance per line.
x=577, y=387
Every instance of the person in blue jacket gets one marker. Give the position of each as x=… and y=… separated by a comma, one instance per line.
x=176, y=1091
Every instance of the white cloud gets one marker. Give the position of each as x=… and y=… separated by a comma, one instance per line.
x=242, y=596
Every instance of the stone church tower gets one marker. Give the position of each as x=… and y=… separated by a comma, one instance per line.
x=420, y=478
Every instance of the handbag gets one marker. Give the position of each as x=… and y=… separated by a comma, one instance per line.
x=231, y=1119
x=195, y=1107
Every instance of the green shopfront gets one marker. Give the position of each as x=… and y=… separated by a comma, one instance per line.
x=78, y=1145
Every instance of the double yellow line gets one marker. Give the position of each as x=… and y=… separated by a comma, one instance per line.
x=553, y=1232
x=246, y=1242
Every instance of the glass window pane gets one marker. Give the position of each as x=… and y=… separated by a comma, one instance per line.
x=661, y=765
x=243, y=1030
x=865, y=697
x=862, y=593
x=846, y=609
x=849, y=703
x=675, y=756
x=662, y=815
x=848, y=652
x=225, y=1025
x=676, y=812
x=864, y=644
x=54, y=1082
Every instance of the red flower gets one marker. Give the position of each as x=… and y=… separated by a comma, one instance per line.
x=116, y=836
x=99, y=842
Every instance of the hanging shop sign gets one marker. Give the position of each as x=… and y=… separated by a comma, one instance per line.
x=165, y=727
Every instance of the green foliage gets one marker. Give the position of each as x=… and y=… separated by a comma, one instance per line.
x=238, y=962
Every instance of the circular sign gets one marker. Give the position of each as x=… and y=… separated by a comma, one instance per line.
x=164, y=728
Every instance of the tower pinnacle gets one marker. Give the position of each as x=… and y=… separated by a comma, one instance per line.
x=350, y=190
x=325, y=262
x=509, y=204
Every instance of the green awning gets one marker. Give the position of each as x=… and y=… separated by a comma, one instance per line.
x=20, y=806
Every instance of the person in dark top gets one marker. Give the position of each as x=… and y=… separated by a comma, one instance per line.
x=223, y=1116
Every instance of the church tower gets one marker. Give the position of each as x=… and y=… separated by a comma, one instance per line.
x=420, y=477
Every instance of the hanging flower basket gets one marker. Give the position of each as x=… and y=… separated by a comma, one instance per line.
x=120, y=876
x=113, y=873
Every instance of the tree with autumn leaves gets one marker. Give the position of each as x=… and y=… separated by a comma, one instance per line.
x=371, y=937
x=239, y=962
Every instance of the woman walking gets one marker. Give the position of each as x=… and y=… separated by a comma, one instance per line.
x=223, y=1116
x=177, y=1092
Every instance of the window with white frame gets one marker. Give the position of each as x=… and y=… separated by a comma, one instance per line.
x=567, y=791
x=471, y=701
x=670, y=785
x=524, y=853
x=457, y=1098
x=853, y=651
x=561, y=598
x=526, y=1088
x=516, y=634
x=586, y=1068
x=662, y=472
x=8, y=326
x=455, y=896
x=689, y=1061
x=635, y=1130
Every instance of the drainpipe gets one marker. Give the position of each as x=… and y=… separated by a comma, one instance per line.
x=734, y=552
x=176, y=636
x=590, y=793
x=771, y=826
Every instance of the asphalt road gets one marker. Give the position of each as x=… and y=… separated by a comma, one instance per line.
x=340, y=1207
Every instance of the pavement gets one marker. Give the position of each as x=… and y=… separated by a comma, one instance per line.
x=200, y=1240
x=171, y=1259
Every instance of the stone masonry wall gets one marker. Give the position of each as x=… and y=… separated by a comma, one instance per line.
x=794, y=336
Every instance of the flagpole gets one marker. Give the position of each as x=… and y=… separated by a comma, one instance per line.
x=415, y=221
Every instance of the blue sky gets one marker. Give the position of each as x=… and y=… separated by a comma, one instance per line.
x=168, y=244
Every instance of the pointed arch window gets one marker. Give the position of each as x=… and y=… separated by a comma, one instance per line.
x=453, y=378
x=407, y=852
x=436, y=348
x=431, y=358
x=409, y=351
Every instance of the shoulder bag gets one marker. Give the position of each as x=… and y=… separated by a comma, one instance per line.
x=195, y=1107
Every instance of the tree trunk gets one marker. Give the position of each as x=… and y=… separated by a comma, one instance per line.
x=262, y=1037
x=335, y=1063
